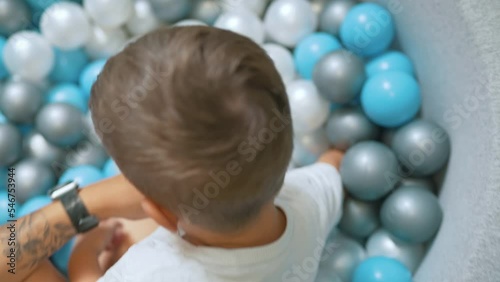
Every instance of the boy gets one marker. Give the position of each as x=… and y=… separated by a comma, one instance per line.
x=197, y=119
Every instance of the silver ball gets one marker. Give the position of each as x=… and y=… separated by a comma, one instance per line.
x=422, y=147
x=14, y=16
x=10, y=144
x=87, y=153
x=60, y=124
x=347, y=126
x=341, y=256
x=368, y=169
x=333, y=15
x=425, y=183
x=412, y=214
x=171, y=10
x=339, y=76
x=32, y=178
x=309, y=147
x=382, y=243
x=206, y=11
x=37, y=147
x=359, y=218
x=20, y=100
x=318, y=5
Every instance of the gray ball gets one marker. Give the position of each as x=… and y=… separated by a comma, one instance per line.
x=37, y=147
x=14, y=16
x=347, y=126
x=206, y=11
x=412, y=214
x=359, y=219
x=20, y=100
x=368, y=170
x=382, y=243
x=333, y=15
x=424, y=183
x=10, y=144
x=339, y=76
x=422, y=147
x=87, y=153
x=341, y=256
x=171, y=10
x=33, y=178
x=318, y=5
x=61, y=124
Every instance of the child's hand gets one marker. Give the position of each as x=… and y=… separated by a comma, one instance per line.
x=333, y=157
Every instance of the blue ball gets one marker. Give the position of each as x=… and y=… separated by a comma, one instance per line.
x=110, y=169
x=33, y=205
x=68, y=65
x=4, y=207
x=68, y=94
x=84, y=175
x=311, y=49
x=60, y=258
x=3, y=70
x=3, y=119
x=89, y=75
x=390, y=61
x=41, y=4
x=381, y=269
x=368, y=29
x=391, y=99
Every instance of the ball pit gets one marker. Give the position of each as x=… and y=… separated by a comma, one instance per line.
x=430, y=91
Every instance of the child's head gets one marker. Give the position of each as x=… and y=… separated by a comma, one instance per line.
x=197, y=119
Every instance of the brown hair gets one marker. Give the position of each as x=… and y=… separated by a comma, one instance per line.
x=197, y=118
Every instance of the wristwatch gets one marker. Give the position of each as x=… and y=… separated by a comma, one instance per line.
x=67, y=193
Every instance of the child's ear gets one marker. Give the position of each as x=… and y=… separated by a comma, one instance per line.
x=161, y=215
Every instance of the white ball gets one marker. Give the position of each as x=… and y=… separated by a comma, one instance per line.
x=29, y=55
x=109, y=13
x=143, y=20
x=283, y=60
x=255, y=6
x=65, y=25
x=309, y=109
x=309, y=147
x=243, y=22
x=190, y=22
x=104, y=43
x=288, y=21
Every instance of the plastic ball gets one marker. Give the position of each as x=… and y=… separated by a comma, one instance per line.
x=242, y=22
x=368, y=29
x=367, y=168
x=282, y=59
x=381, y=269
x=68, y=65
x=29, y=55
x=424, y=183
x=390, y=61
x=171, y=11
x=20, y=100
x=255, y=6
x=411, y=214
x=311, y=49
x=289, y=21
x=35, y=146
x=89, y=75
x=60, y=259
x=333, y=15
x=309, y=147
x=3, y=70
x=10, y=144
x=327, y=276
x=3, y=179
x=34, y=204
x=40, y=5
x=87, y=153
x=110, y=169
x=60, y=124
x=190, y=22
x=206, y=11
x=382, y=243
x=33, y=178
x=391, y=99
x=339, y=76
x=109, y=13
x=83, y=175
x=422, y=147
x=309, y=109
x=143, y=19
x=359, y=218
x=68, y=94
x=348, y=126
x=14, y=16
x=341, y=256
x=65, y=25
x=104, y=43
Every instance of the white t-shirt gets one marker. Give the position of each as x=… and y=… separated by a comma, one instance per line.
x=311, y=199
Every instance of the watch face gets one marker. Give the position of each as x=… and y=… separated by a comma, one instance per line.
x=58, y=191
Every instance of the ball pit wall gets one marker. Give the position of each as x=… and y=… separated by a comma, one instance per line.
x=455, y=46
